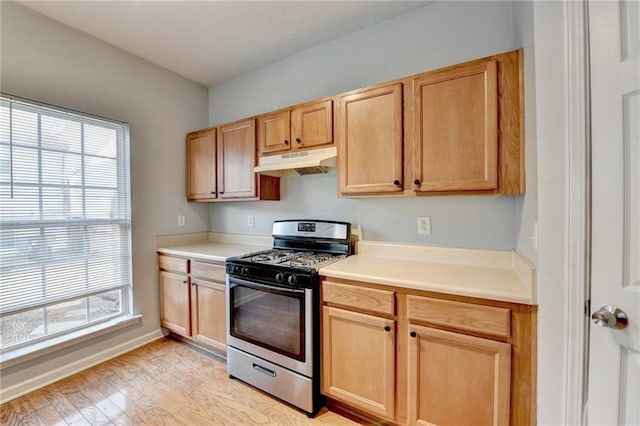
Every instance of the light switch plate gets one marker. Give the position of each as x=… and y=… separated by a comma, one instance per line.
x=181, y=220
x=251, y=222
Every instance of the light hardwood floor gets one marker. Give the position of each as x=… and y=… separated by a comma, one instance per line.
x=162, y=383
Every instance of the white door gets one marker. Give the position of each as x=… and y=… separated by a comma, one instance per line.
x=614, y=354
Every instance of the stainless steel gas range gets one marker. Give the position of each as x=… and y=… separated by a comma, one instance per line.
x=274, y=310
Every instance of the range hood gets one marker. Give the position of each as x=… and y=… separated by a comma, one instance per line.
x=302, y=162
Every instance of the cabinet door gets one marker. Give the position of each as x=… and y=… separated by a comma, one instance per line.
x=201, y=165
x=174, y=303
x=456, y=129
x=455, y=379
x=358, y=360
x=312, y=125
x=208, y=313
x=236, y=160
x=369, y=139
x=274, y=134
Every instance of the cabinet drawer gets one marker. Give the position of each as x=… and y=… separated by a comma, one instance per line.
x=369, y=299
x=464, y=316
x=169, y=263
x=208, y=270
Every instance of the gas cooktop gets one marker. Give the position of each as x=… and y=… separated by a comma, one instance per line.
x=292, y=258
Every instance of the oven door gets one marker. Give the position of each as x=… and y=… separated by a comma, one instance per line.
x=271, y=322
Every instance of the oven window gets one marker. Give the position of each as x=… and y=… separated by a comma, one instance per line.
x=269, y=318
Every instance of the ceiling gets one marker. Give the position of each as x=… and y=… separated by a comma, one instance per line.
x=211, y=41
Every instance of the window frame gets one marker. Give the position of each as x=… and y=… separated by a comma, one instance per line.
x=40, y=225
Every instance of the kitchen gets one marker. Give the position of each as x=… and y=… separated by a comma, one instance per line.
x=407, y=44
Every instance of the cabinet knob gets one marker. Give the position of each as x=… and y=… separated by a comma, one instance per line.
x=416, y=182
x=387, y=328
x=184, y=282
x=213, y=192
x=193, y=283
x=286, y=142
x=396, y=182
x=413, y=334
x=298, y=140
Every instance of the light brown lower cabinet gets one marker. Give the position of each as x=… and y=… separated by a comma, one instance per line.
x=193, y=300
x=208, y=307
x=367, y=382
x=455, y=379
x=174, y=306
x=391, y=354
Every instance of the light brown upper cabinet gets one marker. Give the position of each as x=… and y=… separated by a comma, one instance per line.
x=201, y=165
x=456, y=130
x=274, y=132
x=302, y=127
x=455, y=140
x=220, y=164
x=369, y=135
x=237, y=158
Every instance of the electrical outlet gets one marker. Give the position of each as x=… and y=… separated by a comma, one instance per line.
x=424, y=225
x=181, y=220
x=251, y=221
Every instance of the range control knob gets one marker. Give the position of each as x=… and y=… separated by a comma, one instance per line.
x=293, y=279
x=280, y=277
x=245, y=271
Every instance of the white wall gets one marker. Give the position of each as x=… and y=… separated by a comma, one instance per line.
x=541, y=28
x=549, y=36
x=430, y=37
x=469, y=222
x=47, y=61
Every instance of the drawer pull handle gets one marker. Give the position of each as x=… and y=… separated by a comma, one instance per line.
x=264, y=370
x=413, y=334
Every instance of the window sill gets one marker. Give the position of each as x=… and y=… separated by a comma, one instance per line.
x=26, y=353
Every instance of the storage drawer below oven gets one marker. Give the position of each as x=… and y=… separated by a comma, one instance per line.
x=279, y=382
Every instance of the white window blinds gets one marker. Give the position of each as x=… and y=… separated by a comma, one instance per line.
x=65, y=257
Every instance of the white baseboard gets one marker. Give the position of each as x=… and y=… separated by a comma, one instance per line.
x=7, y=394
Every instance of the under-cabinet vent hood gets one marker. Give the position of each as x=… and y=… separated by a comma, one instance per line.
x=302, y=162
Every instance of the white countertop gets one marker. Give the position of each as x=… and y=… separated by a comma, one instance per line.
x=486, y=274
x=210, y=250
x=211, y=246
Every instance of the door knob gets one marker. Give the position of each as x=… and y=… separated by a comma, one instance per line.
x=610, y=316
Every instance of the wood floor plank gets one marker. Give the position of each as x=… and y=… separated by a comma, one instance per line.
x=94, y=394
x=37, y=399
x=22, y=406
x=8, y=416
x=162, y=383
x=69, y=388
x=127, y=406
x=50, y=416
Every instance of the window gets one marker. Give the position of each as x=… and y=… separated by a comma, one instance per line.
x=65, y=221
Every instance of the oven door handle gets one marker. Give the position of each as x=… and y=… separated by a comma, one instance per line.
x=233, y=282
